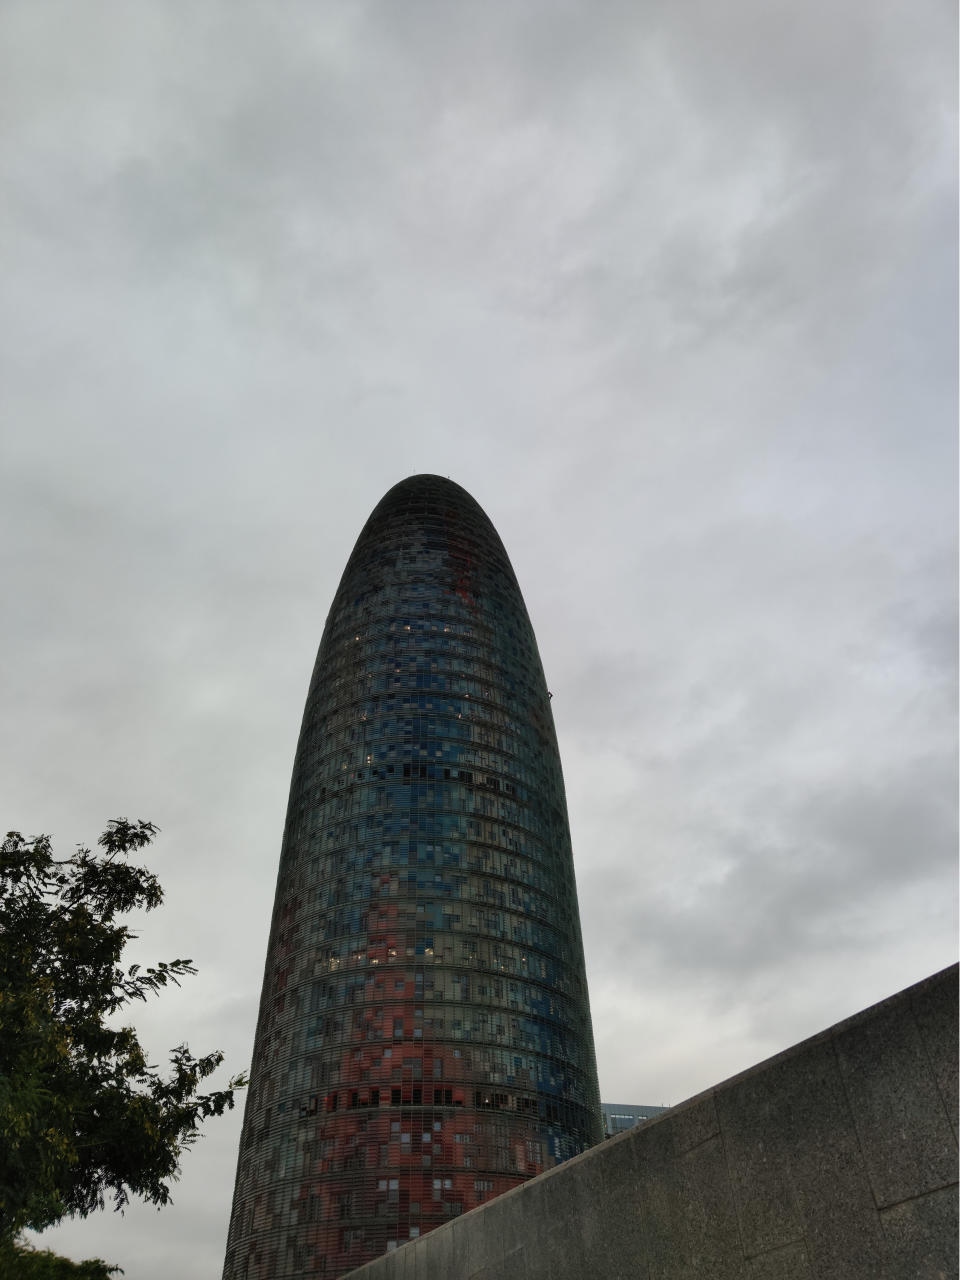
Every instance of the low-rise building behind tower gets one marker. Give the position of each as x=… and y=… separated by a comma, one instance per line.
x=618, y=1117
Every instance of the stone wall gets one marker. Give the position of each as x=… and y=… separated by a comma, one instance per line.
x=835, y=1160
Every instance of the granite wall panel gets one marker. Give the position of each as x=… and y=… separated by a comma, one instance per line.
x=836, y=1160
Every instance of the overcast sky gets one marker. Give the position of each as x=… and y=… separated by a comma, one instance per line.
x=670, y=289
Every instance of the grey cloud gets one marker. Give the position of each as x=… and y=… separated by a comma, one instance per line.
x=672, y=292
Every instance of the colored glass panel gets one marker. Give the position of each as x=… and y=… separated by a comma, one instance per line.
x=424, y=1038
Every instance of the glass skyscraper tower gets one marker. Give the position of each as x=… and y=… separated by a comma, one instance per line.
x=424, y=1038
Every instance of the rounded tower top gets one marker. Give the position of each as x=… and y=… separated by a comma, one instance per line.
x=429, y=488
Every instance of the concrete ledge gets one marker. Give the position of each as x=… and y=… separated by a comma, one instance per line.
x=835, y=1160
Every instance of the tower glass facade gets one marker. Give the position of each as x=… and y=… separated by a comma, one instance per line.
x=424, y=1039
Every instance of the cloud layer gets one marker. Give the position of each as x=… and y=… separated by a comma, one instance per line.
x=671, y=291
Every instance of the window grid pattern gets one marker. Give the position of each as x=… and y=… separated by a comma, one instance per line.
x=424, y=1039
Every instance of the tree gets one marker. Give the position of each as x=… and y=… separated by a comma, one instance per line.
x=83, y=1115
x=19, y=1261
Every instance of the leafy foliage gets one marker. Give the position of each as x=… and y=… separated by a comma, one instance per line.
x=83, y=1115
x=20, y=1262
